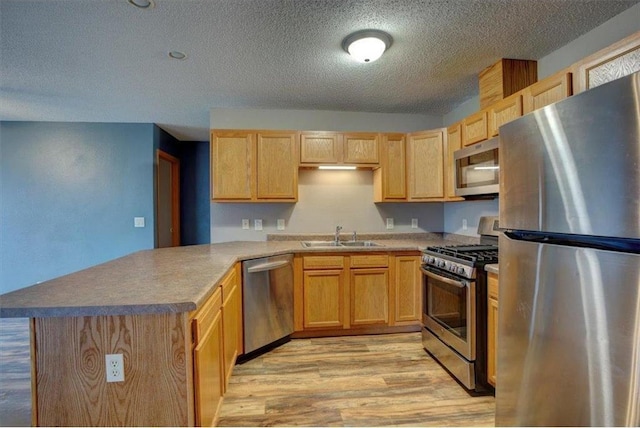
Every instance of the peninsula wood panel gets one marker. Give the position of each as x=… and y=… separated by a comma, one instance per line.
x=361, y=148
x=231, y=322
x=232, y=164
x=425, y=153
x=475, y=128
x=548, y=91
x=620, y=59
x=277, y=166
x=70, y=371
x=504, y=112
x=369, y=296
x=406, y=290
x=492, y=324
x=390, y=180
x=323, y=299
x=320, y=148
x=453, y=143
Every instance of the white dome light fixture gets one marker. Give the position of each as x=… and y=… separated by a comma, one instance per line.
x=367, y=45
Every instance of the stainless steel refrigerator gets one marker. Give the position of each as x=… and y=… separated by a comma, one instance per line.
x=569, y=301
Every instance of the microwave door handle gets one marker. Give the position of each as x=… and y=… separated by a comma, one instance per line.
x=443, y=279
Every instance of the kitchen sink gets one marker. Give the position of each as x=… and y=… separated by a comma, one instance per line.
x=320, y=244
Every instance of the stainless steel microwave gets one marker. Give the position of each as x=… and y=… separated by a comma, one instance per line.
x=477, y=169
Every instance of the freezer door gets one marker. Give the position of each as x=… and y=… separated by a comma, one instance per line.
x=568, y=336
x=574, y=166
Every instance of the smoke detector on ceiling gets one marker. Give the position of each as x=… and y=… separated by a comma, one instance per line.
x=367, y=45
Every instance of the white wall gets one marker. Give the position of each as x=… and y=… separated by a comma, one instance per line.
x=325, y=198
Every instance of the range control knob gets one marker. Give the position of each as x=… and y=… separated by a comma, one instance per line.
x=442, y=263
x=461, y=270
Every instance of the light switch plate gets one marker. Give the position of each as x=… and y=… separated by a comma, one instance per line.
x=280, y=224
x=245, y=223
x=257, y=224
x=390, y=223
x=414, y=223
x=138, y=222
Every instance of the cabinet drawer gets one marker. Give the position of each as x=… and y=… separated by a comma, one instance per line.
x=204, y=317
x=378, y=260
x=323, y=262
x=228, y=283
x=492, y=284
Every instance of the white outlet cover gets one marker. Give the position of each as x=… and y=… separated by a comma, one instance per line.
x=138, y=222
x=257, y=224
x=390, y=223
x=245, y=223
x=114, y=366
x=464, y=224
x=414, y=223
x=280, y=224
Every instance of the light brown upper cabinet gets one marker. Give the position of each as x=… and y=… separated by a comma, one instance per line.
x=453, y=143
x=503, y=112
x=254, y=166
x=620, y=59
x=505, y=78
x=320, y=148
x=547, y=91
x=390, y=180
x=326, y=148
x=474, y=128
x=425, y=165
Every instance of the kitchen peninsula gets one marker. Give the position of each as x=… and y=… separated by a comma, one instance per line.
x=142, y=306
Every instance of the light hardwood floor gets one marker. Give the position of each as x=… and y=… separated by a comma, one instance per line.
x=350, y=381
x=355, y=381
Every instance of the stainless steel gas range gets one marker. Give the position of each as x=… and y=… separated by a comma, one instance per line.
x=455, y=305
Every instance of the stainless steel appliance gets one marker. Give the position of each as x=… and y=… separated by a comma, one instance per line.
x=477, y=170
x=569, y=310
x=455, y=305
x=267, y=287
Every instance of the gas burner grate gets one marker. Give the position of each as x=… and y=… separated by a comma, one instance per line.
x=469, y=253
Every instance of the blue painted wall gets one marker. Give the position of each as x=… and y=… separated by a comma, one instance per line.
x=68, y=196
x=195, y=221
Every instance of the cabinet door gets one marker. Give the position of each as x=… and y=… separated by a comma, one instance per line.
x=492, y=328
x=320, y=148
x=390, y=180
x=323, y=299
x=503, y=112
x=425, y=161
x=369, y=296
x=360, y=148
x=208, y=374
x=232, y=157
x=548, y=91
x=406, y=290
x=475, y=128
x=277, y=165
x=231, y=323
x=453, y=143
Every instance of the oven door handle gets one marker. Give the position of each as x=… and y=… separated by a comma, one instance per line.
x=443, y=279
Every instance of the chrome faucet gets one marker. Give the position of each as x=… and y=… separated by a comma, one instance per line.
x=337, y=235
x=354, y=237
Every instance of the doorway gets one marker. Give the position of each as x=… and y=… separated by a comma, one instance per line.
x=168, y=201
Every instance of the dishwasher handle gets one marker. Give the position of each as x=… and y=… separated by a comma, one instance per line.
x=268, y=266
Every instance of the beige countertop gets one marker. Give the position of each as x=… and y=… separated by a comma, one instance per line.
x=493, y=268
x=163, y=280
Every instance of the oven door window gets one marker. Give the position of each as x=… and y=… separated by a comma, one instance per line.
x=447, y=305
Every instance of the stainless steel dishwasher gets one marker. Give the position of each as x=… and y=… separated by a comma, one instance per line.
x=267, y=290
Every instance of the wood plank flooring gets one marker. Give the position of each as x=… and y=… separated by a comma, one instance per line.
x=377, y=380
x=341, y=381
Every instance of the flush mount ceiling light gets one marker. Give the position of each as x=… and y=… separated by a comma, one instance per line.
x=142, y=4
x=367, y=45
x=177, y=55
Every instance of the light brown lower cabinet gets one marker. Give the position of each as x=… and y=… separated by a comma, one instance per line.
x=231, y=321
x=492, y=327
x=369, y=286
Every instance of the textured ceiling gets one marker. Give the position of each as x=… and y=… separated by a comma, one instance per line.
x=106, y=61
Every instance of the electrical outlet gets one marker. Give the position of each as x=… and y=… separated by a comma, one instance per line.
x=280, y=224
x=245, y=223
x=257, y=224
x=138, y=222
x=115, y=367
x=414, y=223
x=389, y=223
x=464, y=224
